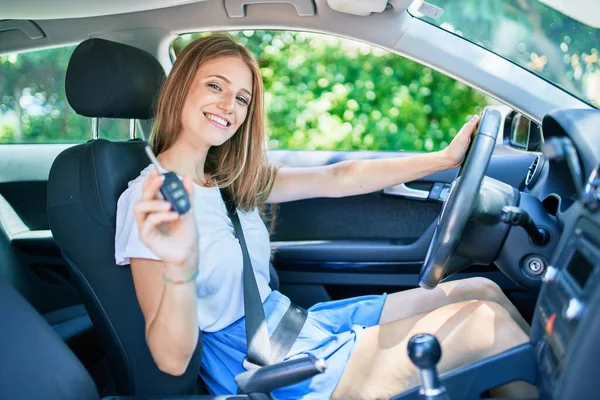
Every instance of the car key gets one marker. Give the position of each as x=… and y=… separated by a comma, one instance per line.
x=172, y=188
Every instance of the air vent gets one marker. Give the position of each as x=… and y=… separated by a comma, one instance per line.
x=533, y=173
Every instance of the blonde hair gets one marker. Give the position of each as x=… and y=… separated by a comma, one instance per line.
x=240, y=164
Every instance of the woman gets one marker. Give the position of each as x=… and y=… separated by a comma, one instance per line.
x=187, y=269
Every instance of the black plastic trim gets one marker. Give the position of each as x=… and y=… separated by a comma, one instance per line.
x=383, y=279
x=353, y=251
x=516, y=364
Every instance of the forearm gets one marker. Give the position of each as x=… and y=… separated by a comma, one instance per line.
x=173, y=333
x=365, y=176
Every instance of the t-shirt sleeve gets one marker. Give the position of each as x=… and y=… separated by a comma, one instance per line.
x=127, y=241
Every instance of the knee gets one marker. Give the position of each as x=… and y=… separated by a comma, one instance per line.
x=491, y=311
x=480, y=329
x=496, y=321
x=484, y=289
x=490, y=306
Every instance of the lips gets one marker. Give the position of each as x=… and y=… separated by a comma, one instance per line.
x=218, y=121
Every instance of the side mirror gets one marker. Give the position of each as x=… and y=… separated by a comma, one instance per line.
x=522, y=133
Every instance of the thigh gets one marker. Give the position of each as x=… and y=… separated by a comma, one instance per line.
x=411, y=302
x=468, y=331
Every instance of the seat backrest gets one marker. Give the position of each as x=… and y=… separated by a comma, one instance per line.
x=36, y=363
x=108, y=79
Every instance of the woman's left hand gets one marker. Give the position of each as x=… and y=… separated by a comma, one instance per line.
x=455, y=152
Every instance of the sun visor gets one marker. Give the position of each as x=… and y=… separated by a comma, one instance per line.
x=358, y=7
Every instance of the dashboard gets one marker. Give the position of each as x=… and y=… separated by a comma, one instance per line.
x=568, y=302
x=566, y=324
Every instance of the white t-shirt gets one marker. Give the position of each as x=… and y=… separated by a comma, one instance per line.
x=219, y=285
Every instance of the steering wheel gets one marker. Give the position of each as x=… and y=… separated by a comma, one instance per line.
x=458, y=205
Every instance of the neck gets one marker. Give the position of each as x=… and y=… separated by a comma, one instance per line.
x=185, y=158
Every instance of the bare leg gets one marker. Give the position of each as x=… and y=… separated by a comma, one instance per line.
x=468, y=331
x=415, y=301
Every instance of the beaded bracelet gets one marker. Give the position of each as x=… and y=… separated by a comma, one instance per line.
x=182, y=281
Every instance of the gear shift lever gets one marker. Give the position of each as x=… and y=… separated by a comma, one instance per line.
x=424, y=351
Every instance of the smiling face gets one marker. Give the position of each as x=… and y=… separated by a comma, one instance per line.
x=217, y=103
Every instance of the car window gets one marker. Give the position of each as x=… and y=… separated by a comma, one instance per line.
x=545, y=38
x=33, y=104
x=330, y=93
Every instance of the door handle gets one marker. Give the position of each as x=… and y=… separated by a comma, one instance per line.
x=439, y=191
x=404, y=191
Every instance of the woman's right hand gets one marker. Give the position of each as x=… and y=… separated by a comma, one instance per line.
x=172, y=237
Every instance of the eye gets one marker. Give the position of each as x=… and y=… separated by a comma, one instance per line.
x=243, y=100
x=214, y=86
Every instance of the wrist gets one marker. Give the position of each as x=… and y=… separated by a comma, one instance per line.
x=182, y=271
x=444, y=160
x=180, y=275
x=181, y=280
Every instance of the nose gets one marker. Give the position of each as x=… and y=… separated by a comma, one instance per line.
x=227, y=103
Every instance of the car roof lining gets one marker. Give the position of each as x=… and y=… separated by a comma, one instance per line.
x=40, y=10
x=586, y=11
x=382, y=29
x=59, y=9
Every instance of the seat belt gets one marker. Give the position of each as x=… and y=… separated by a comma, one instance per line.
x=262, y=350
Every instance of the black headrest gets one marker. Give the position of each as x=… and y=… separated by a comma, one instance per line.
x=112, y=80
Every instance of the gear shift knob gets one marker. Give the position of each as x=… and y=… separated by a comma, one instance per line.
x=425, y=352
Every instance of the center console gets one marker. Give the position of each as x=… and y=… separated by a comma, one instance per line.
x=564, y=301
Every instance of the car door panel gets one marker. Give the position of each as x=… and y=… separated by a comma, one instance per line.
x=366, y=217
x=376, y=215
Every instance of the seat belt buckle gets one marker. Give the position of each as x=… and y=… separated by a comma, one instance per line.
x=248, y=365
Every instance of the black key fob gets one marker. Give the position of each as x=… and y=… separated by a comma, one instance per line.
x=173, y=191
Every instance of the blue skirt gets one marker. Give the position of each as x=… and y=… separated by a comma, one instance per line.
x=330, y=332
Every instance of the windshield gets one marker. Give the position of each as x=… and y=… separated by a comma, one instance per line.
x=532, y=34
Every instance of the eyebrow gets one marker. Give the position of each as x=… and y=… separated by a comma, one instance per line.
x=228, y=81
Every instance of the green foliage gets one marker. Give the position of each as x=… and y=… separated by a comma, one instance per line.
x=34, y=107
x=534, y=35
x=328, y=93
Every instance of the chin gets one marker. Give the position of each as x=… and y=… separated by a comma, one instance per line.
x=218, y=140
x=212, y=136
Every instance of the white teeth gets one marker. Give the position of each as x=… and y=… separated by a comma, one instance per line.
x=218, y=120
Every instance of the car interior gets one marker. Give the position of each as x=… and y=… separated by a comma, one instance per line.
x=522, y=215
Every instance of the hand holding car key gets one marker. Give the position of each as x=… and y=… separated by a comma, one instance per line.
x=172, y=188
x=168, y=226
